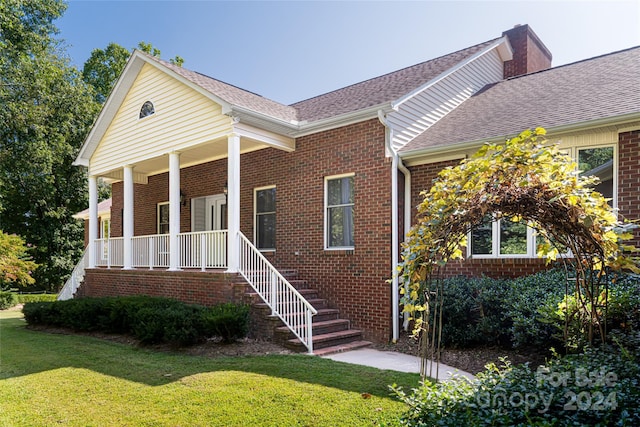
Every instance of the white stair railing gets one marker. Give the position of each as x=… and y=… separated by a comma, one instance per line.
x=74, y=281
x=283, y=299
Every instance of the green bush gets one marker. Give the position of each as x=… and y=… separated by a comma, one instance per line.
x=150, y=319
x=524, y=311
x=599, y=387
x=7, y=300
x=228, y=321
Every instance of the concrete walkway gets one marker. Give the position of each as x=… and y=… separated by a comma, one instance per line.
x=394, y=361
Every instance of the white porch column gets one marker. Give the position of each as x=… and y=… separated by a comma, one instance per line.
x=174, y=210
x=127, y=217
x=233, y=202
x=93, y=220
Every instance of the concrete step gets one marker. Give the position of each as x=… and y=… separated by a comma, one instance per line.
x=341, y=348
x=320, y=328
x=326, y=340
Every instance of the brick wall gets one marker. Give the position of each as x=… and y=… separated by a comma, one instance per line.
x=629, y=178
x=352, y=281
x=193, y=287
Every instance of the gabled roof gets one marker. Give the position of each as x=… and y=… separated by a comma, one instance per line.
x=380, y=90
x=597, y=89
x=234, y=95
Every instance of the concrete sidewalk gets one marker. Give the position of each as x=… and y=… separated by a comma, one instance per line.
x=395, y=361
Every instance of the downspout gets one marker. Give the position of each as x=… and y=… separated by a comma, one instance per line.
x=396, y=164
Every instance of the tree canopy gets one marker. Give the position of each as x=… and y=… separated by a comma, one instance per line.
x=46, y=112
x=16, y=265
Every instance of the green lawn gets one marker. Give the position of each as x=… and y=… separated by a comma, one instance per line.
x=49, y=379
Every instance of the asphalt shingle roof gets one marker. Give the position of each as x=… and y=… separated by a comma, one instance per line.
x=234, y=95
x=593, y=89
x=378, y=90
x=369, y=93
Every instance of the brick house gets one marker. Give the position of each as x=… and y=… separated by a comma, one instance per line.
x=216, y=190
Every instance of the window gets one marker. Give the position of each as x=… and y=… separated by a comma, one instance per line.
x=339, y=212
x=505, y=238
x=265, y=218
x=599, y=162
x=501, y=237
x=147, y=109
x=163, y=218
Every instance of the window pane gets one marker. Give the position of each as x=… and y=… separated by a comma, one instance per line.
x=513, y=237
x=266, y=200
x=163, y=219
x=481, y=241
x=598, y=162
x=340, y=191
x=341, y=227
x=266, y=233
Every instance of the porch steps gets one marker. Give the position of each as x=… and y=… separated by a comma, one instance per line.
x=331, y=334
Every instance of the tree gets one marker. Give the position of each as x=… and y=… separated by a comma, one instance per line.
x=16, y=265
x=103, y=68
x=46, y=112
x=521, y=180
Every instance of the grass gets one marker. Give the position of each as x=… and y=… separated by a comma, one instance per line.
x=48, y=379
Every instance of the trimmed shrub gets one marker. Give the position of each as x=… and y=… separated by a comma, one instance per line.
x=7, y=300
x=150, y=319
x=228, y=321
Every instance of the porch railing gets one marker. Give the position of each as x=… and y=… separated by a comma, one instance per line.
x=201, y=249
x=73, y=282
x=283, y=299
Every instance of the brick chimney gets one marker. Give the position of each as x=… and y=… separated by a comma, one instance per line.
x=529, y=53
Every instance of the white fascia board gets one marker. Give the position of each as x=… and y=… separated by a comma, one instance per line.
x=262, y=120
x=503, y=49
x=419, y=156
x=342, y=120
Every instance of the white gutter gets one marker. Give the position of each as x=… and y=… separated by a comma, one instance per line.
x=396, y=164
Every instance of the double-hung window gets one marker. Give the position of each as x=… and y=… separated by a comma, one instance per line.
x=265, y=218
x=339, y=203
x=506, y=238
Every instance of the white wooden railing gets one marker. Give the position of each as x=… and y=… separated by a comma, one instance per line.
x=202, y=249
x=73, y=282
x=109, y=252
x=283, y=299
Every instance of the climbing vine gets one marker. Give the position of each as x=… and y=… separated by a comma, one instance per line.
x=525, y=180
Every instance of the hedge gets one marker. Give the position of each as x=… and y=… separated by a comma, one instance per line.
x=150, y=319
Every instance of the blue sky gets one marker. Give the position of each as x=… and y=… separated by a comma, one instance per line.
x=290, y=51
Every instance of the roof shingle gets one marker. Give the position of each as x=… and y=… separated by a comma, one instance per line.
x=597, y=88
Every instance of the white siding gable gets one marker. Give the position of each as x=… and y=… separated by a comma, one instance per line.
x=416, y=113
x=183, y=118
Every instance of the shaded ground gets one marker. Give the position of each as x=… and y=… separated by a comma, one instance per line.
x=470, y=360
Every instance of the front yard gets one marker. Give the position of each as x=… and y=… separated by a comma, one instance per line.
x=48, y=379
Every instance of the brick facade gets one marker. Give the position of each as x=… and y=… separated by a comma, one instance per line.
x=352, y=281
x=193, y=287
x=629, y=178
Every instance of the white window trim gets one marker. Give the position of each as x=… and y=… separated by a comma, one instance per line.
x=572, y=150
x=158, y=215
x=326, y=209
x=255, y=216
